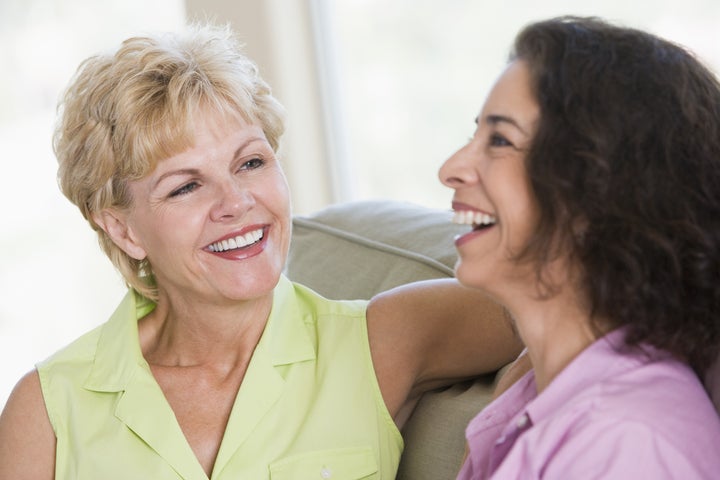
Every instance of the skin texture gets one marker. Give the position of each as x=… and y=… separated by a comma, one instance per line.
x=489, y=175
x=213, y=307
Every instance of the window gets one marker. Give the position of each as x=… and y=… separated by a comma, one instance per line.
x=409, y=76
x=48, y=251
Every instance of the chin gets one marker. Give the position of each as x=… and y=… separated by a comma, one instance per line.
x=481, y=279
x=258, y=286
x=470, y=276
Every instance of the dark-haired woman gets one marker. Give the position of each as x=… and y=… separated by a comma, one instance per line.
x=591, y=191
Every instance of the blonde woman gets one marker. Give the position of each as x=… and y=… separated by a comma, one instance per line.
x=215, y=365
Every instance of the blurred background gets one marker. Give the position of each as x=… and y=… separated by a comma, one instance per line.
x=378, y=94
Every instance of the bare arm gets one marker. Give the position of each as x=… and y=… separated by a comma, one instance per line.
x=428, y=334
x=514, y=372
x=27, y=440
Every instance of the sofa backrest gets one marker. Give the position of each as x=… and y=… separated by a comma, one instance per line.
x=357, y=249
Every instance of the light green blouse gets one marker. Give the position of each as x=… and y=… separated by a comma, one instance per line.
x=309, y=406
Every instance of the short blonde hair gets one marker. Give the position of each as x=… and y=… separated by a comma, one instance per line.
x=125, y=111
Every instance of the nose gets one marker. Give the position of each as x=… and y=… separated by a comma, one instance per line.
x=233, y=201
x=458, y=170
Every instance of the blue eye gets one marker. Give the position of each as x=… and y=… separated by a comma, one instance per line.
x=185, y=189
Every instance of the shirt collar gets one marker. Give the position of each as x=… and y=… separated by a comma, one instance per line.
x=290, y=341
x=598, y=361
x=118, y=354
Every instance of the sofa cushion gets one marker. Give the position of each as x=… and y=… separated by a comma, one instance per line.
x=357, y=249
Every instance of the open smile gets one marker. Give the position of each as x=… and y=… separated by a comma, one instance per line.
x=478, y=220
x=237, y=242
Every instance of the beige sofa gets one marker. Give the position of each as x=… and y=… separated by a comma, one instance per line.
x=355, y=250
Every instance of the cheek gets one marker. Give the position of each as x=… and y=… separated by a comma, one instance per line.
x=525, y=213
x=530, y=219
x=167, y=229
x=277, y=195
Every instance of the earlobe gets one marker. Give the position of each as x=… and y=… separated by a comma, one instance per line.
x=114, y=224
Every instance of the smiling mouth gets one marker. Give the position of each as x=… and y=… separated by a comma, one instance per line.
x=241, y=241
x=477, y=220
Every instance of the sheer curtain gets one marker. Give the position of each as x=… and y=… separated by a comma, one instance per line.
x=54, y=282
x=410, y=75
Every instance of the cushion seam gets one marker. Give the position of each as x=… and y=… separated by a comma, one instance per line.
x=353, y=237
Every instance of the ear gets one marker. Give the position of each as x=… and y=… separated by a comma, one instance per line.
x=114, y=223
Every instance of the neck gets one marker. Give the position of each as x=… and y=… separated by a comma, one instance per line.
x=191, y=333
x=555, y=331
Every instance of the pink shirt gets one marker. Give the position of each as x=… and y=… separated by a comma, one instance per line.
x=606, y=415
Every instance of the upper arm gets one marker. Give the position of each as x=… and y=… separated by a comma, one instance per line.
x=27, y=440
x=427, y=334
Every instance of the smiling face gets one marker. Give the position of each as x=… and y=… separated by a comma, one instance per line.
x=214, y=220
x=492, y=192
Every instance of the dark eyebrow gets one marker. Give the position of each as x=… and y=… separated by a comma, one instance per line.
x=497, y=119
x=195, y=171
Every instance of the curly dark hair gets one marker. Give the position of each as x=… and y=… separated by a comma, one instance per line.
x=625, y=167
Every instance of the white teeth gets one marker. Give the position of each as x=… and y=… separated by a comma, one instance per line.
x=238, y=242
x=467, y=217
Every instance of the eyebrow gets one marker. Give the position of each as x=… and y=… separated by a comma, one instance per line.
x=498, y=119
x=195, y=171
x=172, y=173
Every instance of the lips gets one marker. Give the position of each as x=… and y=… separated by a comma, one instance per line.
x=246, y=243
x=237, y=241
x=480, y=221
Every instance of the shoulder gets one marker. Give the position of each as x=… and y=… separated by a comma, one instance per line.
x=72, y=357
x=62, y=376
x=27, y=395
x=27, y=440
x=646, y=386
x=311, y=302
x=663, y=393
x=333, y=326
x=654, y=416
x=622, y=448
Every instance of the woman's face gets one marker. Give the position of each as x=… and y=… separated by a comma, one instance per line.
x=492, y=192
x=214, y=221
